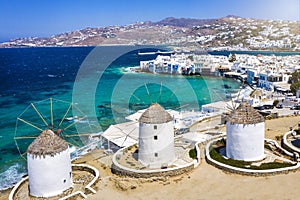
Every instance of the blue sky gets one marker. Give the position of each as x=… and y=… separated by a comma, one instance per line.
x=24, y=18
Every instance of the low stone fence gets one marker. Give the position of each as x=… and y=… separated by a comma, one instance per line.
x=122, y=171
x=125, y=171
x=73, y=195
x=273, y=142
x=198, y=152
x=202, y=145
x=14, y=191
x=287, y=145
x=92, y=170
x=241, y=171
x=80, y=167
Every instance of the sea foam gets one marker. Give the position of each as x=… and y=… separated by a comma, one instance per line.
x=11, y=176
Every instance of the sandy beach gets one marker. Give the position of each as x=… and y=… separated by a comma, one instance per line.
x=207, y=182
x=203, y=183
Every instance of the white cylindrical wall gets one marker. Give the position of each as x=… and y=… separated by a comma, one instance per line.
x=245, y=141
x=156, y=146
x=49, y=176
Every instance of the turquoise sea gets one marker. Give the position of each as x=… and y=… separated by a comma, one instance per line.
x=99, y=84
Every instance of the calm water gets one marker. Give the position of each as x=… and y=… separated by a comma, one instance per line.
x=97, y=81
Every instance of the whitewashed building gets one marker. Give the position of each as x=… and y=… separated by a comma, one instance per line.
x=298, y=93
x=156, y=137
x=245, y=129
x=49, y=165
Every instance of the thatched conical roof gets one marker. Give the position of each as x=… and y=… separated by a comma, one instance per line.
x=245, y=114
x=155, y=114
x=47, y=143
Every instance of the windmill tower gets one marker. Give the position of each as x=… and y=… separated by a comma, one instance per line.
x=49, y=165
x=245, y=130
x=45, y=131
x=156, y=137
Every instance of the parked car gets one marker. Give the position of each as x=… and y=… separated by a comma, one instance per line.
x=259, y=107
x=268, y=107
x=296, y=107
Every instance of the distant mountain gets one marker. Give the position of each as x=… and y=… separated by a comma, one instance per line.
x=230, y=32
x=184, y=22
x=232, y=16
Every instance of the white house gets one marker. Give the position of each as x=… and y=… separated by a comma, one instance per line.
x=298, y=93
x=269, y=80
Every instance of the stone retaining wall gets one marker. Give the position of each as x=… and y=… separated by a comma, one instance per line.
x=90, y=169
x=121, y=170
x=288, y=146
x=79, y=167
x=202, y=145
x=154, y=173
x=248, y=172
x=15, y=189
x=286, y=152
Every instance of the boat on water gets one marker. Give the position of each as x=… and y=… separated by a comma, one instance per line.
x=165, y=52
x=146, y=53
x=155, y=52
x=77, y=119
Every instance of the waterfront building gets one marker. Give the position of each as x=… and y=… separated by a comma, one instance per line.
x=245, y=129
x=186, y=64
x=49, y=165
x=270, y=80
x=174, y=64
x=252, y=77
x=156, y=138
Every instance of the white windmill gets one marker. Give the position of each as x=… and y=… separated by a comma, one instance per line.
x=245, y=129
x=45, y=130
x=156, y=133
x=156, y=137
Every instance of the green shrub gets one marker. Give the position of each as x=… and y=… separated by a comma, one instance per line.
x=275, y=102
x=193, y=153
x=279, y=137
x=268, y=147
x=244, y=164
x=269, y=117
x=221, y=143
x=235, y=163
x=271, y=165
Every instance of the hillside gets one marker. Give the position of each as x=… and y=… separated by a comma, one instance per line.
x=230, y=32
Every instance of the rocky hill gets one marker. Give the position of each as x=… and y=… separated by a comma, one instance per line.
x=184, y=22
x=230, y=32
